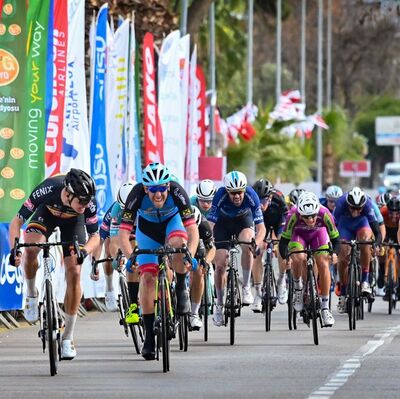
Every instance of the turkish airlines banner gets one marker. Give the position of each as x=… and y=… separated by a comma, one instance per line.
x=153, y=141
x=76, y=143
x=201, y=110
x=54, y=136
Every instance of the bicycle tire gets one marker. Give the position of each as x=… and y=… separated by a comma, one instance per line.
x=291, y=312
x=231, y=310
x=126, y=302
x=164, y=325
x=351, y=301
x=183, y=332
x=267, y=297
x=312, y=290
x=205, y=305
x=51, y=329
x=390, y=287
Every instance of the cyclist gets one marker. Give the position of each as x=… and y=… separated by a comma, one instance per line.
x=382, y=199
x=332, y=194
x=235, y=211
x=207, y=249
x=355, y=218
x=294, y=196
x=274, y=210
x=310, y=224
x=391, y=216
x=205, y=192
x=164, y=215
x=67, y=202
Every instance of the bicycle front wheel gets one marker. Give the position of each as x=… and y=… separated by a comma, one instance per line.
x=231, y=288
x=268, y=292
x=390, y=287
x=51, y=328
x=183, y=333
x=163, y=335
x=312, y=290
x=206, y=302
x=351, y=301
x=292, y=317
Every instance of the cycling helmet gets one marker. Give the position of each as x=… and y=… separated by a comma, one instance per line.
x=197, y=214
x=295, y=194
x=123, y=193
x=206, y=190
x=383, y=199
x=334, y=192
x=80, y=184
x=356, y=198
x=263, y=188
x=394, y=204
x=235, y=181
x=308, y=204
x=155, y=173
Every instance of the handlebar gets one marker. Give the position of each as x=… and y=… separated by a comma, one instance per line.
x=309, y=251
x=165, y=250
x=48, y=245
x=391, y=245
x=353, y=243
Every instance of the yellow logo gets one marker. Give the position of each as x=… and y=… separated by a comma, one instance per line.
x=17, y=153
x=2, y=154
x=9, y=68
x=7, y=172
x=14, y=29
x=6, y=132
x=17, y=194
x=1, y=193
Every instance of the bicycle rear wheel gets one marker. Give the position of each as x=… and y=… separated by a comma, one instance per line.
x=312, y=290
x=126, y=303
x=51, y=328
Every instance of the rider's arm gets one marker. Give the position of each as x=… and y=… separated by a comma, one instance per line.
x=14, y=229
x=92, y=243
x=193, y=238
x=377, y=232
x=260, y=233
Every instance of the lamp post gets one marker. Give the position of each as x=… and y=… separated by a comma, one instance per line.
x=319, y=89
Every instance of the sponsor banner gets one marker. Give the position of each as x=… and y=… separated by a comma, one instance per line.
x=133, y=140
x=116, y=104
x=54, y=136
x=201, y=110
x=192, y=154
x=49, y=63
x=153, y=143
x=10, y=276
x=22, y=101
x=76, y=132
x=98, y=145
x=169, y=105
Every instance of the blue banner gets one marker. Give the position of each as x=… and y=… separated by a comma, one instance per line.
x=98, y=145
x=10, y=276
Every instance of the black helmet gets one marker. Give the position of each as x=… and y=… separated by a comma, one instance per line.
x=394, y=204
x=80, y=184
x=263, y=188
x=295, y=194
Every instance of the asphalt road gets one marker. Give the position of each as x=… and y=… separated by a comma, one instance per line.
x=278, y=364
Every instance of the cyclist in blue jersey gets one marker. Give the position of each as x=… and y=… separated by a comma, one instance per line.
x=355, y=219
x=235, y=211
x=332, y=194
x=163, y=215
x=205, y=192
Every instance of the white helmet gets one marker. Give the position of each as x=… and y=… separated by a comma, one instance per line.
x=356, y=197
x=235, y=181
x=197, y=214
x=308, y=204
x=334, y=192
x=123, y=193
x=206, y=190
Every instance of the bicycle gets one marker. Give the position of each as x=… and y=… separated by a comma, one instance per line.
x=354, y=298
x=50, y=316
x=233, y=300
x=373, y=269
x=391, y=274
x=269, y=287
x=123, y=303
x=311, y=304
x=164, y=324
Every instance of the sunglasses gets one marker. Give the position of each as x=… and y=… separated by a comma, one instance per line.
x=233, y=193
x=353, y=208
x=310, y=217
x=161, y=189
x=83, y=201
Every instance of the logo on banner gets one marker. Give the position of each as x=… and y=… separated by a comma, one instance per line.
x=9, y=68
x=10, y=275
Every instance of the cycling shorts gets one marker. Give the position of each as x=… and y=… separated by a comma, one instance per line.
x=314, y=239
x=349, y=227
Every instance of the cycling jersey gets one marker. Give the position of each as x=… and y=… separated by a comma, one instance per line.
x=275, y=214
x=105, y=224
x=378, y=213
x=223, y=206
x=391, y=219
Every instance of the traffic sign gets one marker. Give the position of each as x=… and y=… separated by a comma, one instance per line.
x=355, y=168
x=387, y=130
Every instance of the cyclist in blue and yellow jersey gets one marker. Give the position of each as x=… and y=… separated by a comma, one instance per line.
x=356, y=219
x=235, y=211
x=163, y=215
x=274, y=210
x=332, y=194
x=205, y=192
x=68, y=202
x=310, y=224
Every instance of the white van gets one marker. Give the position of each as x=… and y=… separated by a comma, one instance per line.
x=391, y=175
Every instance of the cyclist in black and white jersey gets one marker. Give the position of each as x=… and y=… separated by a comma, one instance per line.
x=67, y=202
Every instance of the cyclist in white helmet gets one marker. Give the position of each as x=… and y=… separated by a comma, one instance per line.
x=310, y=225
x=205, y=192
x=236, y=211
x=332, y=194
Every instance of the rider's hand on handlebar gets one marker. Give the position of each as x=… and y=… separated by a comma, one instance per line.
x=94, y=274
x=15, y=257
x=334, y=258
x=190, y=264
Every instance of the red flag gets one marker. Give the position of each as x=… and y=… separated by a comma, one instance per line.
x=246, y=130
x=153, y=140
x=201, y=110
